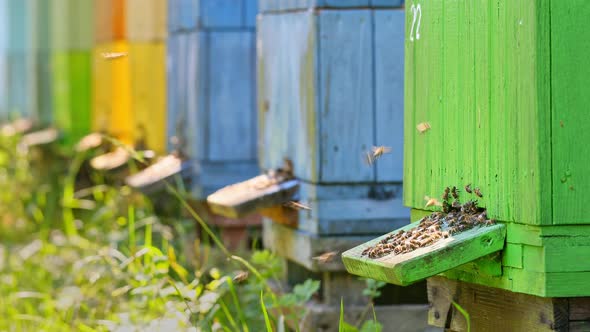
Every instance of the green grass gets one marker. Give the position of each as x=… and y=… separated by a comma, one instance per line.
x=98, y=258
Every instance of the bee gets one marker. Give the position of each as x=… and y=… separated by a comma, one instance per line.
x=445, y=196
x=423, y=127
x=432, y=202
x=445, y=234
x=113, y=55
x=446, y=207
x=477, y=192
x=241, y=276
x=379, y=151
x=490, y=222
x=455, y=192
x=482, y=217
x=468, y=188
x=456, y=205
x=326, y=257
x=369, y=158
x=297, y=206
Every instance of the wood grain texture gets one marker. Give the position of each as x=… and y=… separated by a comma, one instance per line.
x=146, y=20
x=102, y=90
x=316, y=74
x=41, y=46
x=177, y=88
x=300, y=247
x=489, y=119
x=210, y=176
x=568, y=123
x=425, y=262
x=241, y=199
x=147, y=64
x=231, y=86
x=345, y=85
x=493, y=310
x=221, y=13
x=103, y=21
x=389, y=91
x=579, y=308
x=288, y=93
x=282, y=5
x=351, y=209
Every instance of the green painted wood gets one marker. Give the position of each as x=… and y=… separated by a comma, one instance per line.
x=72, y=24
x=425, y=262
x=512, y=255
x=479, y=75
x=569, y=121
x=72, y=94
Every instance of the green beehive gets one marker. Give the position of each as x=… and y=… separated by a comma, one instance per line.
x=72, y=39
x=496, y=96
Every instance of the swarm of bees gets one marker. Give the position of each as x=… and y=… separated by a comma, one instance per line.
x=455, y=218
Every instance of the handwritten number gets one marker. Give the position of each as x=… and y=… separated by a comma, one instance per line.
x=415, y=10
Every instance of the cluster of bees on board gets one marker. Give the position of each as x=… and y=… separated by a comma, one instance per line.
x=454, y=218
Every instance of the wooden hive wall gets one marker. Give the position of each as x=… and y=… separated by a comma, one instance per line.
x=4, y=32
x=330, y=91
x=496, y=80
x=211, y=88
x=71, y=62
x=146, y=33
x=282, y=5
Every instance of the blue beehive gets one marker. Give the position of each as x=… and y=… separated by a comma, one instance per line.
x=331, y=88
x=20, y=61
x=211, y=88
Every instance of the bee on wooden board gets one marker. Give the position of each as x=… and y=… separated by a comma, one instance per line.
x=468, y=188
x=455, y=192
x=477, y=192
x=446, y=194
x=423, y=127
x=326, y=257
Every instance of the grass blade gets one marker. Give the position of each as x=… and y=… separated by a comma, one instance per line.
x=464, y=313
x=265, y=313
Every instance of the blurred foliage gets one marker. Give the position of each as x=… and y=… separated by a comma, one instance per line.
x=97, y=258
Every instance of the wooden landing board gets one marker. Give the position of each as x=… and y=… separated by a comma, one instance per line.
x=155, y=177
x=425, y=262
x=40, y=137
x=241, y=199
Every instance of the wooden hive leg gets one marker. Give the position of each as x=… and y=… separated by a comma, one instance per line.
x=492, y=309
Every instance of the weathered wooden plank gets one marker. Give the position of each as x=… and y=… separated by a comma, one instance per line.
x=250, y=12
x=422, y=263
x=569, y=98
x=563, y=255
x=283, y=5
x=579, y=308
x=146, y=20
x=210, y=176
x=147, y=64
x=231, y=80
x=177, y=88
x=103, y=21
x=579, y=326
x=491, y=309
x=567, y=284
x=263, y=191
x=351, y=209
x=346, y=95
x=102, y=94
x=389, y=91
x=4, y=41
x=288, y=97
x=301, y=247
x=155, y=177
x=197, y=101
x=221, y=13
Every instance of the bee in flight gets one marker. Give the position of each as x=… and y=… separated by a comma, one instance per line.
x=326, y=257
x=423, y=127
x=297, y=206
x=241, y=276
x=113, y=55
